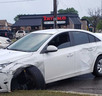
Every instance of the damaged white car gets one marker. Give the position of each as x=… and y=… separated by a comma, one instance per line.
x=46, y=56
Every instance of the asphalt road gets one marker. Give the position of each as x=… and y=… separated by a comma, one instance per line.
x=85, y=84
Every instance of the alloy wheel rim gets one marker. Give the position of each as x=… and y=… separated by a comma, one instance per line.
x=99, y=66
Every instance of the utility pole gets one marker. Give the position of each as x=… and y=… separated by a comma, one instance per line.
x=55, y=13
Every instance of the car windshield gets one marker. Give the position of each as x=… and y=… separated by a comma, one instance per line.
x=29, y=43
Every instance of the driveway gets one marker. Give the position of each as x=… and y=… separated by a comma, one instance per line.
x=84, y=84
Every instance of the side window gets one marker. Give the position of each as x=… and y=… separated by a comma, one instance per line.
x=91, y=38
x=80, y=38
x=97, y=40
x=61, y=41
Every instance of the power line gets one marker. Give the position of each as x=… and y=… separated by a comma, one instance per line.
x=63, y=4
x=80, y=6
x=16, y=1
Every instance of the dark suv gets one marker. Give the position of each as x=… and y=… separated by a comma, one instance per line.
x=7, y=33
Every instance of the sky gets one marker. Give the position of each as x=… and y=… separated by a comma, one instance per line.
x=10, y=10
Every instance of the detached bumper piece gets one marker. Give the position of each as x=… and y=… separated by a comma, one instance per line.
x=5, y=82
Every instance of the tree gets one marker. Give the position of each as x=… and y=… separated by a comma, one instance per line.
x=94, y=17
x=17, y=17
x=99, y=25
x=68, y=10
x=87, y=18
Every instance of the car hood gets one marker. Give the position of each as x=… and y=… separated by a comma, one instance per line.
x=12, y=56
x=3, y=38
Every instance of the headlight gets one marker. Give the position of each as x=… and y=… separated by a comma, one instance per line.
x=4, y=65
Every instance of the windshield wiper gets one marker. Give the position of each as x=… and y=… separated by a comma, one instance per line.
x=18, y=50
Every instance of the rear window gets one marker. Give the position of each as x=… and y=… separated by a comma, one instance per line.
x=20, y=31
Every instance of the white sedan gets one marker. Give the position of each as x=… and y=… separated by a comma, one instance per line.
x=4, y=42
x=47, y=56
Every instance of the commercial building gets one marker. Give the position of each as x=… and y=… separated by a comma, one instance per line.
x=45, y=21
x=4, y=25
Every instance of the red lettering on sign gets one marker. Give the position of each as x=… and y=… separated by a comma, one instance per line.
x=48, y=18
x=59, y=18
x=51, y=18
x=63, y=18
x=44, y=18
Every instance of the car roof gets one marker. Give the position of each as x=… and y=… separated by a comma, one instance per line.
x=99, y=35
x=3, y=37
x=54, y=31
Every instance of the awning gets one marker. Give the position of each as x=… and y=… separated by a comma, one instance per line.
x=28, y=22
x=75, y=20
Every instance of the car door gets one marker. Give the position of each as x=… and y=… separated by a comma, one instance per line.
x=59, y=64
x=85, y=51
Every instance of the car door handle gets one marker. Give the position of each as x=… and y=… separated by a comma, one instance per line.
x=91, y=48
x=70, y=55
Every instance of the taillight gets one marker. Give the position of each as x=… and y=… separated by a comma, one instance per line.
x=5, y=34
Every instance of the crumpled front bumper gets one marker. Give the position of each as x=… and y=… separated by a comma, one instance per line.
x=5, y=82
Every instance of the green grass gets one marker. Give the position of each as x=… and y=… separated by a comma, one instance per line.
x=40, y=93
x=13, y=40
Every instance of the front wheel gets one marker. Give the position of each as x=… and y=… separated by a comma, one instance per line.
x=28, y=79
x=98, y=67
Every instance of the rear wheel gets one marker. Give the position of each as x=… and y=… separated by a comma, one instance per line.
x=98, y=67
x=30, y=78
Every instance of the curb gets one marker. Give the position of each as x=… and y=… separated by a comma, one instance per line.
x=80, y=93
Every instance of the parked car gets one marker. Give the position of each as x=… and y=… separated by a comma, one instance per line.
x=7, y=33
x=21, y=33
x=4, y=42
x=47, y=56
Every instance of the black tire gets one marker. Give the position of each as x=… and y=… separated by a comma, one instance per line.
x=29, y=78
x=98, y=67
x=37, y=75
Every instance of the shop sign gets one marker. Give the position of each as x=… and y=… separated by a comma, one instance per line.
x=63, y=18
x=52, y=22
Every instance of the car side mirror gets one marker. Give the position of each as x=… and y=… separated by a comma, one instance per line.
x=51, y=48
